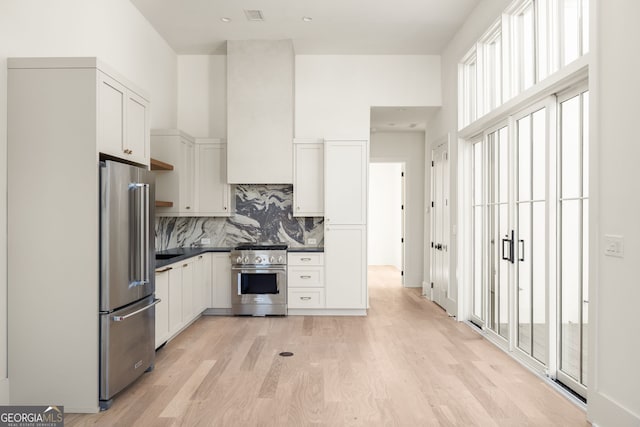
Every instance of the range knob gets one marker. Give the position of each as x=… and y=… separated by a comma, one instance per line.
x=280, y=259
x=246, y=260
x=258, y=260
x=272, y=259
x=239, y=260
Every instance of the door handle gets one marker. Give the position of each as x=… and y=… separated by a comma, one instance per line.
x=521, y=250
x=508, y=256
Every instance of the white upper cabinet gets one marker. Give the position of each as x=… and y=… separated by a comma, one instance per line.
x=308, y=178
x=177, y=186
x=123, y=121
x=345, y=197
x=213, y=194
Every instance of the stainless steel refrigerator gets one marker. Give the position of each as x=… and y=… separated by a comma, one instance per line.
x=127, y=257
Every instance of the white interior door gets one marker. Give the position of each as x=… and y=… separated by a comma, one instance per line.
x=440, y=226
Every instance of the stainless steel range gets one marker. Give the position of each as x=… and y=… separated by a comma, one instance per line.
x=259, y=279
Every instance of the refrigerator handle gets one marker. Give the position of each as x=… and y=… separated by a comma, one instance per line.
x=140, y=255
x=145, y=308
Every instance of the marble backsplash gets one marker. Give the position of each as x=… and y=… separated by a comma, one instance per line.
x=264, y=213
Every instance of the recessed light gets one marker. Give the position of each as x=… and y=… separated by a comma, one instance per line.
x=225, y=19
x=307, y=18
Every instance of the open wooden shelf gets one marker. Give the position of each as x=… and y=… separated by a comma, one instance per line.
x=157, y=165
x=163, y=204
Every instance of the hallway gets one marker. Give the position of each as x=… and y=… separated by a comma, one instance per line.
x=405, y=364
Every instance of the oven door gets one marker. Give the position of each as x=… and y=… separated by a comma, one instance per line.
x=258, y=291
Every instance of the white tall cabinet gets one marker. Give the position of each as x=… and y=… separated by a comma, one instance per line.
x=60, y=117
x=345, y=197
x=177, y=186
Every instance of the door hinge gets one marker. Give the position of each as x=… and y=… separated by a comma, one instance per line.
x=431, y=244
x=401, y=207
x=431, y=285
x=432, y=163
x=401, y=173
x=402, y=273
x=432, y=204
x=402, y=240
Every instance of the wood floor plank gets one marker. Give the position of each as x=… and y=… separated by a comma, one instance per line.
x=405, y=364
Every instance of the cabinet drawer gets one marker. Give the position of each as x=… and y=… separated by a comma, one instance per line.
x=306, y=277
x=315, y=258
x=306, y=298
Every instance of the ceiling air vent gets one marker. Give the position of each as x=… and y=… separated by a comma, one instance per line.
x=254, y=15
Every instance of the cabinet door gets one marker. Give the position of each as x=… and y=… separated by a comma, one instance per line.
x=137, y=130
x=111, y=116
x=186, y=176
x=346, y=182
x=221, y=286
x=162, y=308
x=187, y=292
x=345, y=267
x=308, y=179
x=211, y=181
x=175, y=299
x=202, y=283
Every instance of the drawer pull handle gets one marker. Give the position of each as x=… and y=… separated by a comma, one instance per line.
x=305, y=298
x=305, y=277
x=305, y=259
x=165, y=270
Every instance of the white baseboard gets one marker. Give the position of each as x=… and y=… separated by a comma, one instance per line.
x=602, y=410
x=4, y=392
x=217, y=312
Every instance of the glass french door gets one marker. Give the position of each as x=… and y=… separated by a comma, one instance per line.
x=529, y=286
x=573, y=221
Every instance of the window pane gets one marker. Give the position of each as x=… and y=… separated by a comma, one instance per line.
x=570, y=142
x=503, y=302
x=504, y=165
x=571, y=30
x=585, y=287
x=524, y=277
x=585, y=144
x=478, y=247
x=539, y=266
x=539, y=154
x=528, y=49
x=524, y=158
x=570, y=304
x=477, y=174
x=542, y=40
x=585, y=26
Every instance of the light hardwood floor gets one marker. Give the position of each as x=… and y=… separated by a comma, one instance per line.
x=405, y=364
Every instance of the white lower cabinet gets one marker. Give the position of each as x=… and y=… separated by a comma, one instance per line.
x=305, y=279
x=162, y=308
x=346, y=266
x=184, y=289
x=221, y=281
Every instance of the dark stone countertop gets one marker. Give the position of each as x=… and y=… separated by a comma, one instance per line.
x=180, y=254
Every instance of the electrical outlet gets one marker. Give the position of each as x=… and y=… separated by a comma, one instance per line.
x=312, y=241
x=205, y=241
x=614, y=246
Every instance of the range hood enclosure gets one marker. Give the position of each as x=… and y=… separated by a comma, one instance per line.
x=260, y=84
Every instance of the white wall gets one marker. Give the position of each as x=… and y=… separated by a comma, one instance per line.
x=384, y=225
x=446, y=120
x=614, y=372
x=333, y=93
x=408, y=148
x=202, y=95
x=112, y=30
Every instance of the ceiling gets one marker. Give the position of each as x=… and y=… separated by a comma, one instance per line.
x=337, y=27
